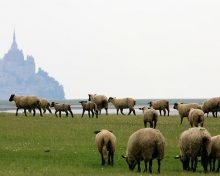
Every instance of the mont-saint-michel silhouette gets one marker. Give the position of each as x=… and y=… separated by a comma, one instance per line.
x=18, y=76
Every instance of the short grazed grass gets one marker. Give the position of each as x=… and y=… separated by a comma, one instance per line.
x=66, y=146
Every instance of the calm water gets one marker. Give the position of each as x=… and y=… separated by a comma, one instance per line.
x=6, y=106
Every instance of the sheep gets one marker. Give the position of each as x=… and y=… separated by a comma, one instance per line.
x=145, y=144
x=151, y=116
x=61, y=107
x=194, y=142
x=106, y=144
x=196, y=116
x=101, y=101
x=211, y=105
x=160, y=105
x=26, y=102
x=215, y=153
x=89, y=106
x=45, y=105
x=184, y=109
x=123, y=103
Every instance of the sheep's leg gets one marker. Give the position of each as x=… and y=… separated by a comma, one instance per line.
x=164, y=112
x=17, y=112
x=103, y=161
x=122, y=111
x=139, y=166
x=83, y=112
x=134, y=112
x=106, y=110
x=151, y=124
x=44, y=110
x=25, y=113
x=217, y=170
x=60, y=113
x=117, y=111
x=150, y=166
x=158, y=163
x=56, y=113
x=40, y=112
x=160, y=111
x=213, y=168
x=66, y=113
x=145, y=124
x=181, y=120
x=92, y=113
x=34, y=112
x=145, y=165
x=155, y=124
x=96, y=112
x=213, y=113
x=49, y=109
x=89, y=113
x=71, y=112
x=168, y=112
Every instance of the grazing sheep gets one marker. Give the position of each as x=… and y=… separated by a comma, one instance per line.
x=26, y=102
x=106, y=144
x=215, y=153
x=196, y=116
x=211, y=105
x=101, y=101
x=89, y=106
x=151, y=116
x=161, y=105
x=123, y=103
x=184, y=109
x=194, y=142
x=45, y=105
x=145, y=144
x=61, y=107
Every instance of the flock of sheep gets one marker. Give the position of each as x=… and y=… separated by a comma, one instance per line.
x=148, y=143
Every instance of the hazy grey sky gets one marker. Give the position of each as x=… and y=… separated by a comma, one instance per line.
x=121, y=48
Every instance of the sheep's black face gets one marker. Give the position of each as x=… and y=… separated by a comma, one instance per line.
x=110, y=99
x=150, y=103
x=12, y=97
x=52, y=104
x=89, y=97
x=175, y=105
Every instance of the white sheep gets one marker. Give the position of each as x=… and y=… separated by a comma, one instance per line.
x=193, y=143
x=161, y=105
x=101, y=101
x=26, y=103
x=45, y=105
x=215, y=153
x=61, y=107
x=211, y=105
x=184, y=109
x=90, y=107
x=196, y=116
x=106, y=144
x=123, y=103
x=151, y=116
x=145, y=144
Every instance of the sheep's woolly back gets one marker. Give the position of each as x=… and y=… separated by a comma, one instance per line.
x=160, y=104
x=184, y=109
x=211, y=105
x=27, y=101
x=193, y=140
x=98, y=99
x=145, y=144
x=196, y=116
x=216, y=147
x=103, y=139
x=123, y=102
x=150, y=115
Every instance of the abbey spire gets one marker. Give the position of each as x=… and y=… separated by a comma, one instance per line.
x=14, y=43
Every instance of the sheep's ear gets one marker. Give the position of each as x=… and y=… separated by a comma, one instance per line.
x=123, y=156
x=177, y=157
x=111, y=131
x=141, y=108
x=96, y=132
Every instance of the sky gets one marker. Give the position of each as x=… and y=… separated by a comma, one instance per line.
x=120, y=48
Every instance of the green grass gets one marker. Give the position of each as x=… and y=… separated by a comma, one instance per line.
x=66, y=146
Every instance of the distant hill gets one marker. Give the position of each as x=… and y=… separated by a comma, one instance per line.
x=18, y=75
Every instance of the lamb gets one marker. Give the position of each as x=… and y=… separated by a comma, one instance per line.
x=184, y=109
x=215, y=153
x=161, y=105
x=123, y=103
x=194, y=142
x=106, y=144
x=145, y=144
x=196, y=116
x=151, y=116
x=89, y=106
x=26, y=102
x=101, y=101
x=211, y=105
x=59, y=107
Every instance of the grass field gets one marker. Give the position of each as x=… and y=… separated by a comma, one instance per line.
x=66, y=146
